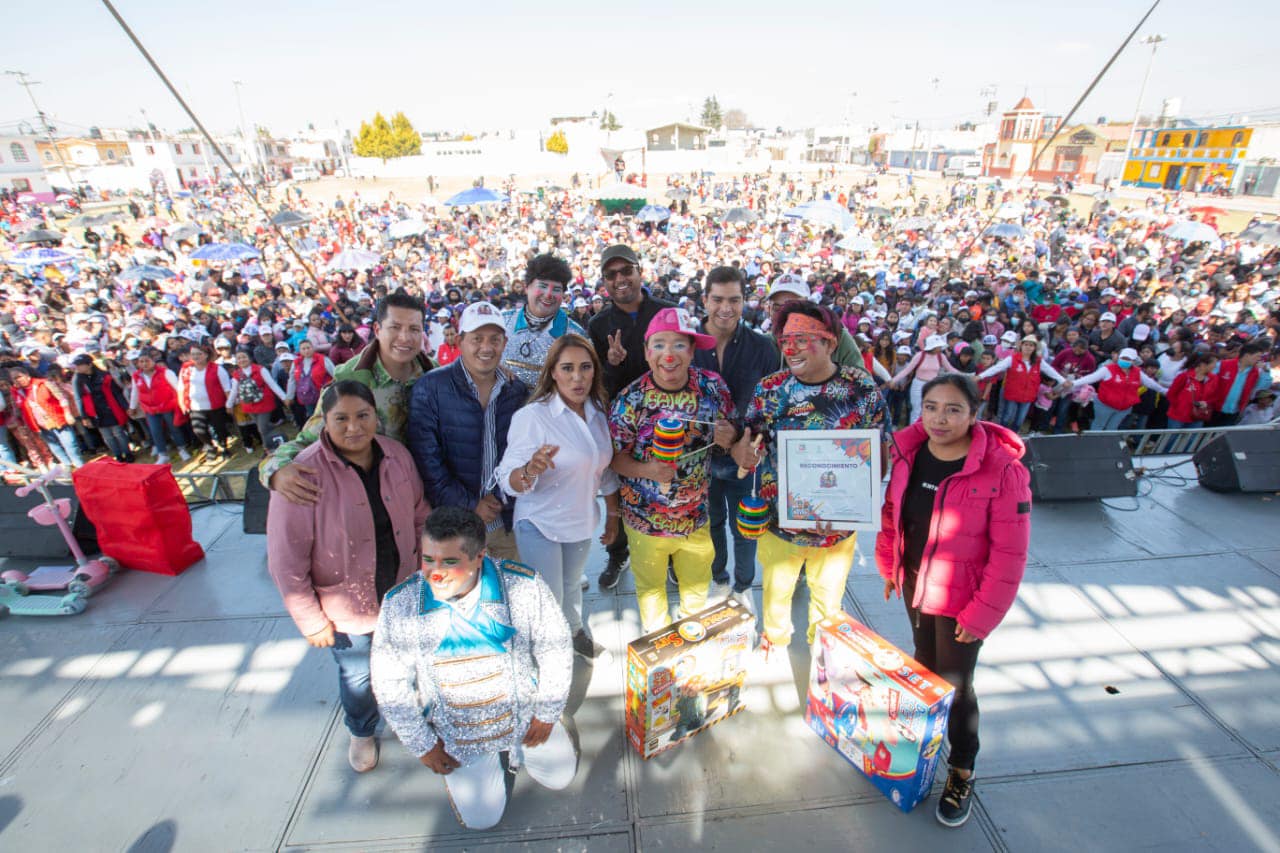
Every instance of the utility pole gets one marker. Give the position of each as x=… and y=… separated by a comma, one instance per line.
x=25, y=82
x=1154, y=40
x=244, y=140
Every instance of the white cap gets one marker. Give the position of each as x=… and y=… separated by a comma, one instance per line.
x=788, y=283
x=1107, y=316
x=1141, y=332
x=904, y=350
x=478, y=315
x=935, y=342
x=443, y=314
x=580, y=303
x=901, y=336
x=1009, y=337
x=1129, y=353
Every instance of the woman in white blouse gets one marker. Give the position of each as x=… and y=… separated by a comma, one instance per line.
x=557, y=462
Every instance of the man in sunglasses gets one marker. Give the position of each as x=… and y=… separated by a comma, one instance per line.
x=617, y=332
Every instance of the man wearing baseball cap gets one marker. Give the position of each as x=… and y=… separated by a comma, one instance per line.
x=617, y=331
x=664, y=505
x=459, y=416
x=1105, y=340
x=789, y=287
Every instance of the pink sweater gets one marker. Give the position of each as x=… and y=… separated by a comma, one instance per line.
x=323, y=557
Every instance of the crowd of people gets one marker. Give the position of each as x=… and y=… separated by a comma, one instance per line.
x=477, y=394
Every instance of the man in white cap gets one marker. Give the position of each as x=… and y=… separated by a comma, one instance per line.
x=1105, y=340
x=789, y=287
x=459, y=416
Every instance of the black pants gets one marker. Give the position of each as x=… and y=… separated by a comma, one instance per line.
x=937, y=649
x=211, y=426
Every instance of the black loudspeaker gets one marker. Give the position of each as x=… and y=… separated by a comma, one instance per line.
x=1246, y=460
x=1080, y=466
x=22, y=537
x=256, y=498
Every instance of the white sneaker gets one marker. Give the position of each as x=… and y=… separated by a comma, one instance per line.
x=719, y=591
x=186, y=457
x=362, y=754
x=162, y=459
x=747, y=599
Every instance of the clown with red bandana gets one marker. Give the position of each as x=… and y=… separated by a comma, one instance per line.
x=812, y=393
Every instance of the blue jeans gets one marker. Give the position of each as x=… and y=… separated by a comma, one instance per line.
x=6, y=449
x=351, y=651
x=723, y=498
x=1107, y=418
x=560, y=564
x=1061, y=414
x=156, y=425
x=1013, y=414
x=63, y=444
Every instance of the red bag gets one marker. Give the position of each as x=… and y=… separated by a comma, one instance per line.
x=140, y=514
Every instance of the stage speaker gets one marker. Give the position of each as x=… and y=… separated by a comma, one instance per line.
x=1246, y=460
x=22, y=537
x=1075, y=467
x=256, y=497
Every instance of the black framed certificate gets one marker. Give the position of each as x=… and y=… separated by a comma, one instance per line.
x=829, y=475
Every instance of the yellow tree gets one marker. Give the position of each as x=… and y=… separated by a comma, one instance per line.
x=407, y=141
x=375, y=139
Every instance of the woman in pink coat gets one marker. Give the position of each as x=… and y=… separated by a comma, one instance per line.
x=953, y=539
x=335, y=559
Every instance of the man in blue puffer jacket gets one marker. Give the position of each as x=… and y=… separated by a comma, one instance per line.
x=458, y=420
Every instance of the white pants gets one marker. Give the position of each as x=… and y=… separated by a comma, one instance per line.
x=478, y=789
x=914, y=395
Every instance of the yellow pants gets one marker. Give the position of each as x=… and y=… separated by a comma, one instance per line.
x=826, y=570
x=691, y=557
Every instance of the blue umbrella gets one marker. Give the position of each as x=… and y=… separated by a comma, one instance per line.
x=306, y=246
x=1192, y=232
x=39, y=257
x=1006, y=231
x=224, y=252
x=653, y=213
x=476, y=195
x=144, y=272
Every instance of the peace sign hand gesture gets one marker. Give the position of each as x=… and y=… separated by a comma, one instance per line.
x=617, y=353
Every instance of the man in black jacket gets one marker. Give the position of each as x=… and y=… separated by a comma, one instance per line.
x=742, y=357
x=617, y=332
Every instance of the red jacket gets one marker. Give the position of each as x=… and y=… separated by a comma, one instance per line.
x=1228, y=370
x=977, y=548
x=43, y=405
x=155, y=395
x=1185, y=392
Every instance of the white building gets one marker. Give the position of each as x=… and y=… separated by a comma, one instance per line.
x=183, y=161
x=20, y=169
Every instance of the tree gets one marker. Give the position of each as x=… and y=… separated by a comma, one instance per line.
x=712, y=117
x=408, y=141
x=609, y=121
x=736, y=119
x=557, y=143
x=387, y=139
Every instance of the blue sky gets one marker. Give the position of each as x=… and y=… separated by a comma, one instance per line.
x=504, y=64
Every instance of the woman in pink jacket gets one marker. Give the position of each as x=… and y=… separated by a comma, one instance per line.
x=953, y=539
x=335, y=559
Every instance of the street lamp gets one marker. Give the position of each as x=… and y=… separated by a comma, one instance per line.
x=1154, y=40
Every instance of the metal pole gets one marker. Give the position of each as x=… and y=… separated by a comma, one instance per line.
x=25, y=83
x=1154, y=41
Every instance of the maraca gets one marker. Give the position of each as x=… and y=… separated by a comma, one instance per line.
x=668, y=441
x=753, y=516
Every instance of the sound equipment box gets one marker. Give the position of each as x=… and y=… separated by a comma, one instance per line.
x=1076, y=467
x=256, y=497
x=22, y=537
x=1246, y=460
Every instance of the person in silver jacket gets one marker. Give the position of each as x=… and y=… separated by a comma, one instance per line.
x=471, y=658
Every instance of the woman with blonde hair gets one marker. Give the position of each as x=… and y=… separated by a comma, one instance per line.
x=556, y=463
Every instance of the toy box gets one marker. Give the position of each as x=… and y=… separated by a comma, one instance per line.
x=880, y=709
x=687, y=676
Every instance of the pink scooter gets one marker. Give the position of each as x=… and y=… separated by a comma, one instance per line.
x=82, y=578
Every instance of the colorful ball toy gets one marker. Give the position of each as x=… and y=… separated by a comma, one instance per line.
x=753, y=516
x=668, y=440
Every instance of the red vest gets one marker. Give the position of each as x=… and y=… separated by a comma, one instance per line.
x=212, y=387
x=109, y=392
x=1022, y=381
x=155, y=395
x=254, y=375
x=1120, y=389
x=41, y=408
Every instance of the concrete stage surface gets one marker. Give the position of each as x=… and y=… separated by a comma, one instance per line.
x=1130, y=700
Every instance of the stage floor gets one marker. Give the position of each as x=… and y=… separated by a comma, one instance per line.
x=1129, y=701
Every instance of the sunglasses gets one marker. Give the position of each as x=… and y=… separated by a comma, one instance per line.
x=625, y=270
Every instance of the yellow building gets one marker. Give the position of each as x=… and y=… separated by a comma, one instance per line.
x=78, y=151
x=1184, y=156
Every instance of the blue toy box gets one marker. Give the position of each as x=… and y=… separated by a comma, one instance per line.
x=880, y=709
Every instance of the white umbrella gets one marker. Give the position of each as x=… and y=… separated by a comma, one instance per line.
x=1010, y=210
x=352, y=259
x=1192, y=232
x=406, y=228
